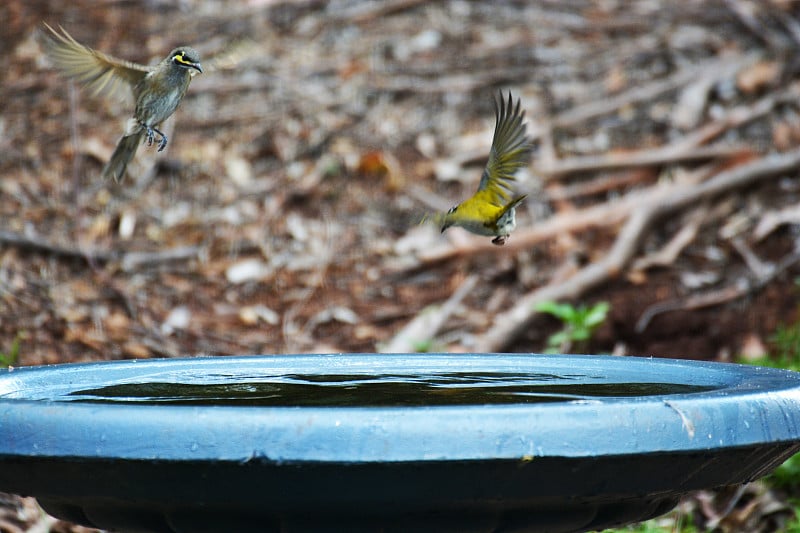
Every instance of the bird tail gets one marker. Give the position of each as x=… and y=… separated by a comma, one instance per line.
x=514, y=203
x=123, y=153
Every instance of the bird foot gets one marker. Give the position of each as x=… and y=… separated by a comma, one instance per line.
x=500, y=240
x=150, y=134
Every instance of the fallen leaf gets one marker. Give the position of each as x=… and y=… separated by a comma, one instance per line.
x=248, y=270
x=758, y=76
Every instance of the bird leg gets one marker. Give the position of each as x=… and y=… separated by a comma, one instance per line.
x=150, y=134
x=500, y=240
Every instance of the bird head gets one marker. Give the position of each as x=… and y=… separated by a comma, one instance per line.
x=445, y=220
x=188, y=58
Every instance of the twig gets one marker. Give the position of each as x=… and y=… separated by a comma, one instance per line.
x=367, y=12
x=509, y=325
x=745, y=14
x=425, y=326
x=129, y=260
x=608, y=182
x=758, y=267
x=36, y=244
x=667, y=255
x=650, y=91
x=450, y=83
x=671, y=153
x=726, y=294
x=698, y=301
x=687, y=148
x=773, y=219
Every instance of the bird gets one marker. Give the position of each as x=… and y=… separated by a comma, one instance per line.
x=491, y=211
x=157, y=90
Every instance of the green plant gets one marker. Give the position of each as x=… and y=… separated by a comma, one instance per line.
x=793, y=526
x=787, y=476
x=579, y=324
x=424, y=346
x=11, y=357
x=786, y=344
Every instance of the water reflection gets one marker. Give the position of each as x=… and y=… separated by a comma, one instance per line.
x=339, y=390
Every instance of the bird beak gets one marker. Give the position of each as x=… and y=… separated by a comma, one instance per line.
x=198, y=67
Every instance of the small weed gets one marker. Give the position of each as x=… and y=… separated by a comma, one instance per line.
x=579, y=324
x=11, y=357
x=425, y=346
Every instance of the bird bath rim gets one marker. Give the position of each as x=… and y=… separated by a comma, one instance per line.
x=583, y=426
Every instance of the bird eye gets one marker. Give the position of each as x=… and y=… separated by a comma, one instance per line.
x=452, y=210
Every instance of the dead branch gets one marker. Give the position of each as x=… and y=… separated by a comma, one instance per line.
x=671, y=153
x=761, y=269
x=509, y=325
x=367, y=12
x=687, y=148
x=129, y=261
x=669, y=253
x=601, y=185
x=771, y=220
x=426, y=325
x=650, y=91
x=738, y=290
x=746, y=15
x=37, y=244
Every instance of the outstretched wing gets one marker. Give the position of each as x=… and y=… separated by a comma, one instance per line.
x=231, y=55
x=99, y=72
x=510, y=151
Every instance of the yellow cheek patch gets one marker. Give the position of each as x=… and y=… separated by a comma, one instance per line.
x=181, y=59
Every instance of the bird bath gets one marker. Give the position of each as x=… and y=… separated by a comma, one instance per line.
x=377, y=442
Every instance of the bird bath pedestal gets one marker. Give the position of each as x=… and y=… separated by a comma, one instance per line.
x=376, y=442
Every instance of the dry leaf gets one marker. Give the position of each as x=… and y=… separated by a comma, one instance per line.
x=384, y=166
x=248, y=270
x=758, y=76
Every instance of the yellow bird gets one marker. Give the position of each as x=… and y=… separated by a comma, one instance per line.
x=491, y=211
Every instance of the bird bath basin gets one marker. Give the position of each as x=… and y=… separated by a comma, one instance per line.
x=367, y=442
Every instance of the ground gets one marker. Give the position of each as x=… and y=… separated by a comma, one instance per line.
x=284, y=215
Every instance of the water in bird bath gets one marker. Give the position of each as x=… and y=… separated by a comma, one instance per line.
x=382, y=390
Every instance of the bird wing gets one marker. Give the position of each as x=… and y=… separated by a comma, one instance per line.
x=99, y=72
x=231, y=55
x=510, y=151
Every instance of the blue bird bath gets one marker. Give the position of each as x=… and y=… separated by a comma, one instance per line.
x=377, y=442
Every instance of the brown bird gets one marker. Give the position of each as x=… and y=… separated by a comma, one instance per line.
x=157, y=90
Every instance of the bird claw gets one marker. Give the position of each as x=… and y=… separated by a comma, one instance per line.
x=151, y=137
x=500, y=240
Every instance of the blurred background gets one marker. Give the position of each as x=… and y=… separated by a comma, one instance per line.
x=285, y=214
